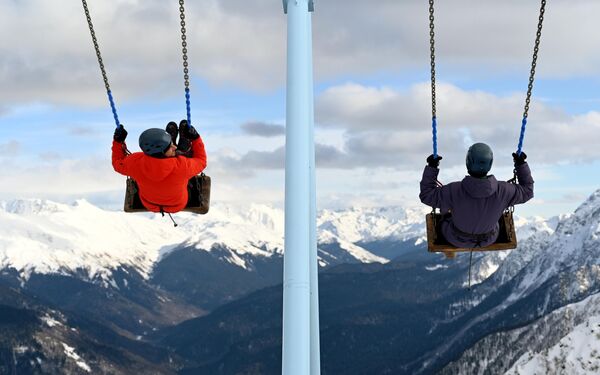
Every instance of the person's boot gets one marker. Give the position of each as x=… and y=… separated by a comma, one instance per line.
x=172, y=130
x=184, y=147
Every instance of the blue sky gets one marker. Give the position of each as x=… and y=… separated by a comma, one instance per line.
x=372, y=98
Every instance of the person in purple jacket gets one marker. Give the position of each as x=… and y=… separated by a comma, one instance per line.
x=477, y=202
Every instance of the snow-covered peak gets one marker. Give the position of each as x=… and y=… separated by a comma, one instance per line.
x=48, y=237
x=367, y=224
x=591, y=206
x=45, y=236
x=575, y=353
x=571, y=253
x=526, y=227
x=33, y=207
x=255, y=229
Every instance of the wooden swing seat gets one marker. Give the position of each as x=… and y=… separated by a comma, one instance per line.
x=436, y=243
x=198, y=195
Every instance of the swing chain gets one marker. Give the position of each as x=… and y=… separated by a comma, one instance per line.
x=535, y=56
x=102, y=70
x=432, y=54
x=186, y=76
x=96, y=47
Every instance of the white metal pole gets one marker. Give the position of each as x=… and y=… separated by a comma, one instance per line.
x=315, y=347
x=296, y=280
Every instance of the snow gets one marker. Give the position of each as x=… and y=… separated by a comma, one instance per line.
x=576, y=353
x=573, y=245
x=256, y=230
x=20, y=349
x=368, y=224
x=48, y=237
x=361, y=254
x=42, y=236
x=436, y=267
x=50, y=321
x=70, y=352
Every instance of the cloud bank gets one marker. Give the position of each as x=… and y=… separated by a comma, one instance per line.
x=232, y=43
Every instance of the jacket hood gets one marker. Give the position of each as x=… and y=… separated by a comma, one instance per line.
x=480, y=187
x=156, y=169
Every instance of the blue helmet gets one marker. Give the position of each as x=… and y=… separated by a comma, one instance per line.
x=479, y=160
x=154, y=142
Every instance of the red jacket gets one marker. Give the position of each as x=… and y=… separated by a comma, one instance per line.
x=162, y=182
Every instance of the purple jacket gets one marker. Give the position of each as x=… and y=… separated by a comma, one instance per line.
x=476, y=203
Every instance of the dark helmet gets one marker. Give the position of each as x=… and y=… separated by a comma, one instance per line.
x=479, y=160
x=154, y=142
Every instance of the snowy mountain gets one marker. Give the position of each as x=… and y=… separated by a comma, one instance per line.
x=243, y=245
x=571, y=254
x=413, y=315
x=368, y=224
x=47, y=237
x=577, y=352
x=40, y=340
x=547, y=273
x=136, y=274
x=566, y=341
x=206, y=261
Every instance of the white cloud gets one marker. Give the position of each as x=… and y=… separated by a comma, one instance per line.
x=263, y=129
x=10, y=148
x=61, y=176
x=378, y=131
x=236, y=44
x=393, y=128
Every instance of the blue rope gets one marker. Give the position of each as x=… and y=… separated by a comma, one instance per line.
x=434, y=131
x=187, y=106
x=522, y=135
x=112, y=106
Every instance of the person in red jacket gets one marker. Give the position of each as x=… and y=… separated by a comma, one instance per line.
x=164, y=167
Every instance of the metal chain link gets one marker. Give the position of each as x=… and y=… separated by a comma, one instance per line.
x=186, y=76
x=96, y=47
x=111, y=101
x=432, y=51
x=432, y=54
x=531, y=77
x=535, y=56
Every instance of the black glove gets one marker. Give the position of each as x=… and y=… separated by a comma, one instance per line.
x=120, y=134
x=433, y=162
x=519, y=159
x=188, y=131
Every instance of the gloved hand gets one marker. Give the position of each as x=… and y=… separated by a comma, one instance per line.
x=120, y=134
x=188, y=131
x=519, y=159
x=433, y=162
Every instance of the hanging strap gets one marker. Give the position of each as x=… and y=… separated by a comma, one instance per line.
x=97, y=48
x=162, y=212
x=536, y=47
x=432, y=54
x=186, y=77
x=470, y=265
